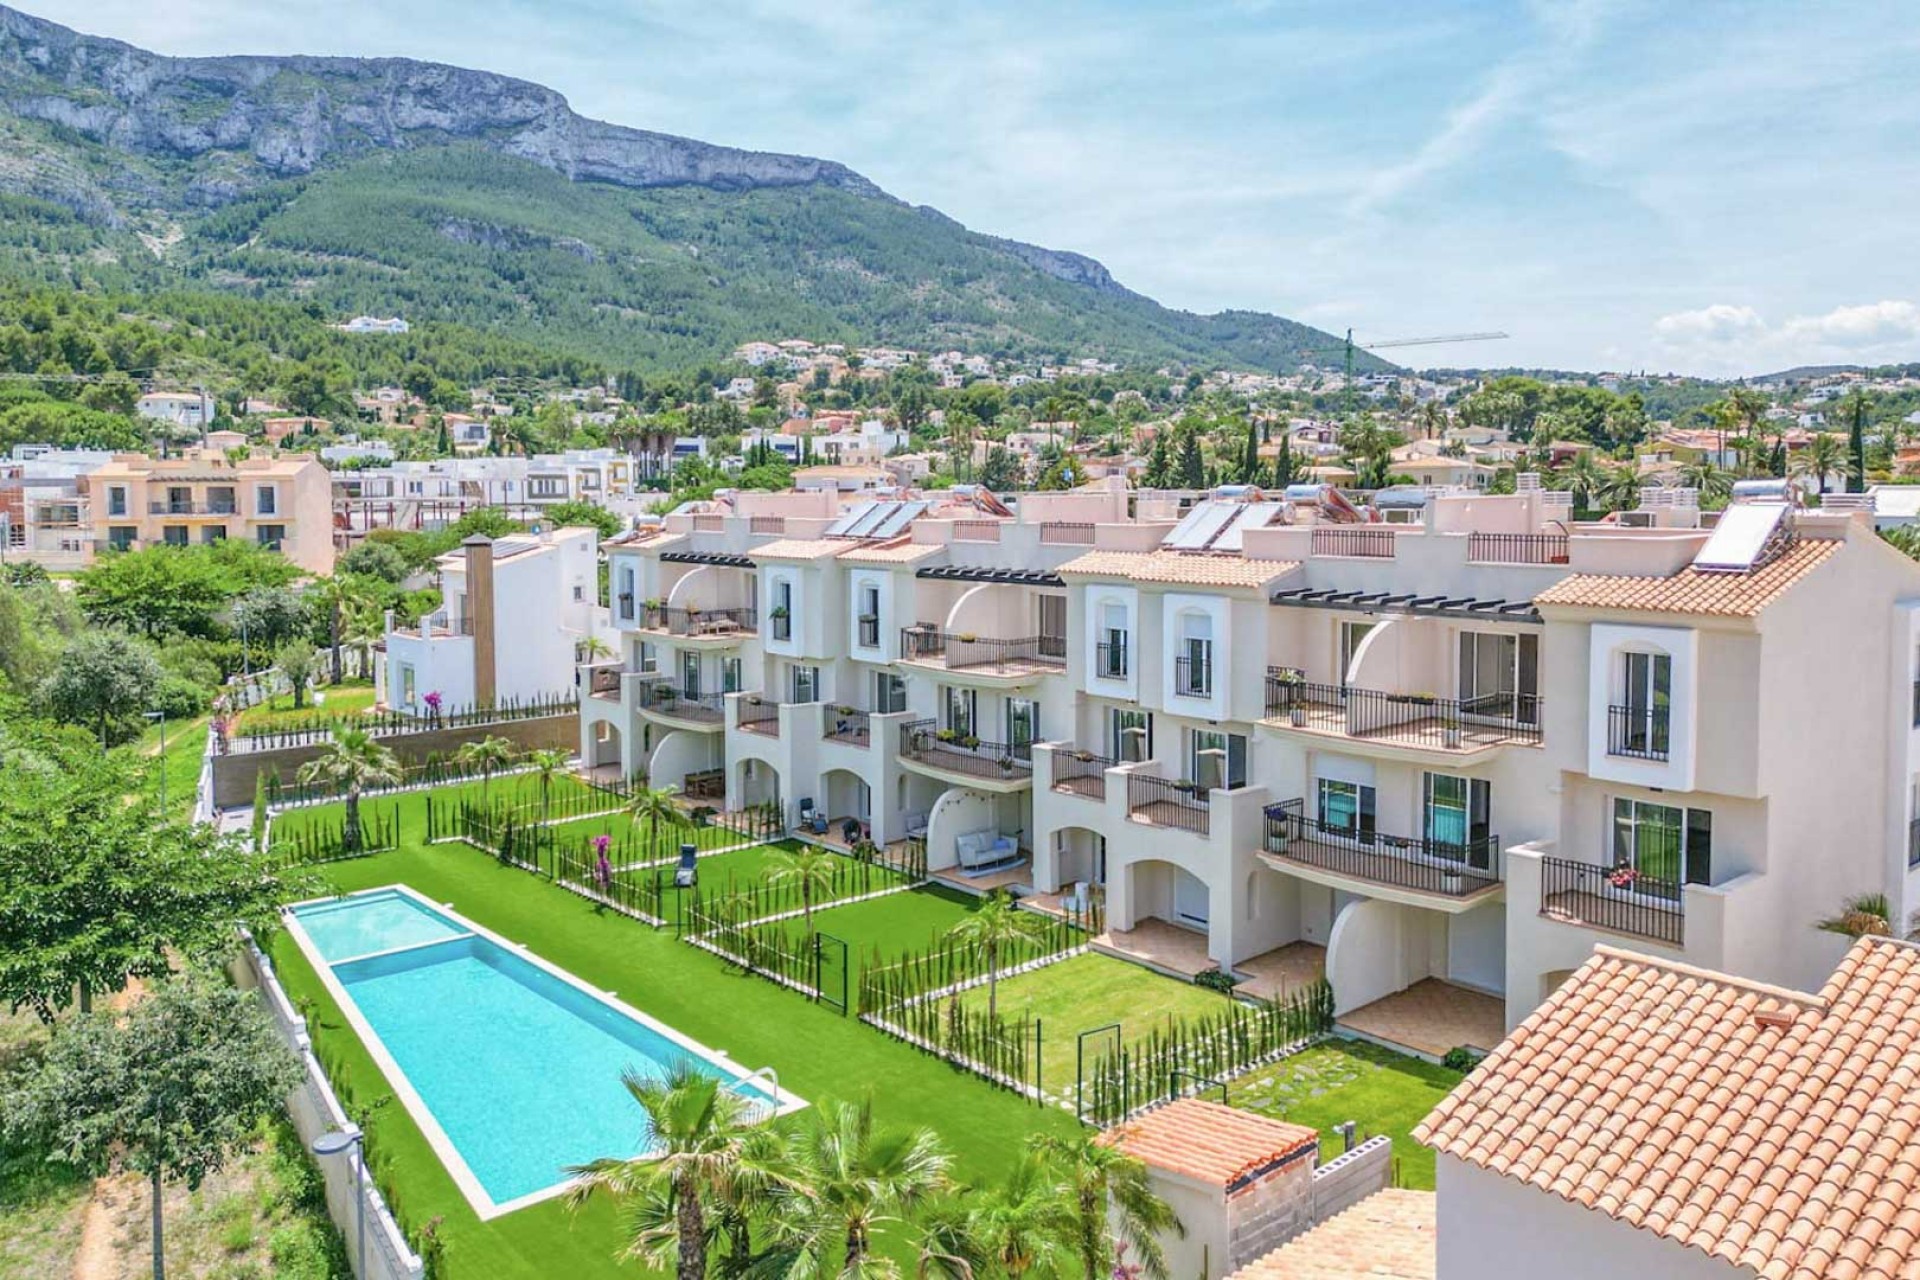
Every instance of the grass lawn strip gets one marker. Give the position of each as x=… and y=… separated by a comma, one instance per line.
x=521, y=787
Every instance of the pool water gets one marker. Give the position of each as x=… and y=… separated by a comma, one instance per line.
x=520, y=1069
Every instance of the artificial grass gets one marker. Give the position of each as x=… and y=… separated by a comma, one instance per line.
x=899, y=922
x=622, y=826
x=348, y=698
x=1340, y=1080
x=1090, y=991
x=818, y=1053
x=520, y=789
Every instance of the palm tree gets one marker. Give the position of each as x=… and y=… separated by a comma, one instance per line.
x=653, y=806
x=1112, y=1197
x=485, y=756
x=809, y=868
x=342, y=594
x=997, y=925
x=1026, y=1225
x=352, y=762
x=845, y=1182
x=1864, y=915
x=547, y=762
x=593, y=649
x=1714, y=484
x=1824, y=455
x=1584, y=476
x=1620, y=490
x=699, y=1130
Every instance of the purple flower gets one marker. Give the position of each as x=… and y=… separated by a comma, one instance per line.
x=432, y=700
x=601, y=844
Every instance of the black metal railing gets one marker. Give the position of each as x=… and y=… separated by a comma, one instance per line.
x=848, y=724
x=956, y=752
x=438, y=624
x=1081, y=772
x=626, y=606
x=1613, y=898
x=1638, y=733
x=1453, y=868
x=1517, y=548
x=760, y=715
x=1165, y=802
x=960, y=650
x=1372, y=544
x=1193, y=677
x=1110, y=660
x=193, y=509
x=663, y=699
x=1415, y=719
x=870, y=633
x=676, y=621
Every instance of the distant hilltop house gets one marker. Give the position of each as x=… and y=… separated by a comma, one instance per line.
x=182, y=408
x=373, y=324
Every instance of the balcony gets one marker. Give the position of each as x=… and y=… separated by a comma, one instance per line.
x=951, y=756
x=847, y=724
x=1162, y=802
x=1193, y=677
x=603, y=681
x=1638, y=733
x=1110, y=660
x=759, y=715
x=660, y=700
x=1412, y=722
x=1517, y=548
x=965, y=653
x=220, y=509
x=1355, y=543
x=1344, y=857
x=435, y=626
x=1066, y=533
x=698, y=624
x=1081, y=773
x=870, y=632
x=1614, y=899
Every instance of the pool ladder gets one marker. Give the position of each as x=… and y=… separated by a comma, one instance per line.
x=772, y=1078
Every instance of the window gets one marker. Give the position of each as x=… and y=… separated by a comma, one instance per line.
x=1129, y=734
x=960, y=709
x=179, y=500
x=804, y=683
x=782, y=610
x=730, y=675
x=1351, y=634
x=1454, y=819
x=1639, y=724
x=120, y=537
x=220, y=500
x=649, y=660
x=1110, y=654
x=1023, y=722
x=889, y=692
x=213, y=533
x=1216, y=759
x=1667, y=845
x=174, y=535
x=272, y=535
x=116, y=500
x=1051, y=626
x=406, y=684
x=1346, y=808
x=1193, y=669
x=266, y=500
x=869, y=616
x=1500, y=675
x=690, y=675
x=624, y=597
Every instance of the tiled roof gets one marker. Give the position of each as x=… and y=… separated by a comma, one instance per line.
x=1727, y=595
x=1218, y=1145
x=799, y=549
x=1175, y=568
x=903, y=551
x=1388, y=1236
x=1774, y=1130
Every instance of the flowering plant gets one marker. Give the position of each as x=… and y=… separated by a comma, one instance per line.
x=433, y=701
x=602, y=843
x=1623, y=876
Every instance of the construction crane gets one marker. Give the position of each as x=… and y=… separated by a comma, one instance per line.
x=1348, y=347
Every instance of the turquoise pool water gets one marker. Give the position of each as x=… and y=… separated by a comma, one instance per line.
x=519, y=1068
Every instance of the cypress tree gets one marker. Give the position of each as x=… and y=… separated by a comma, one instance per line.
x=1857, y=444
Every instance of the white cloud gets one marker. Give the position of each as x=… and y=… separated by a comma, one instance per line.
x=1721, y=322
x=1725, y=338
x=1872, y=324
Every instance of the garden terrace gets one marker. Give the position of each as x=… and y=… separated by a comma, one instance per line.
x=1028, y=655
x=272, y=733
x=698, y=623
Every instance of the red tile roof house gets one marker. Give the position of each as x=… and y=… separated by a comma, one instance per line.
x=1653, y=1119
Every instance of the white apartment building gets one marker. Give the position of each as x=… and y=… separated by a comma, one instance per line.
x=1436, y=755
x=515, y=614
x=433, y=494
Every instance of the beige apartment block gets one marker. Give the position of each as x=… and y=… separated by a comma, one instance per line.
x=283, y=502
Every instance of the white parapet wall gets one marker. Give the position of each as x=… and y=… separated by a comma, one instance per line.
x=315, y=1110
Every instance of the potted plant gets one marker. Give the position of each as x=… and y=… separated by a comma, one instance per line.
x=1623, y=876
x=1006, y=766
x=778, y=613
x=1450, y=879
x=1450, y=735
x=966, y=637
x=1084, y=757
x=947, y=735
x=971, y=742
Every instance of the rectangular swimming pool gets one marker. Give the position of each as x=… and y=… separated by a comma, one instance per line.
x=511, y=1066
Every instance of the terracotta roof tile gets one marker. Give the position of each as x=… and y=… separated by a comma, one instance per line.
x=1174, y=568
x=1389, y=1235
x=800, y=549
x=1727, y=595
x=900, y=551
x=1774, y=1129
x=1211, y=1143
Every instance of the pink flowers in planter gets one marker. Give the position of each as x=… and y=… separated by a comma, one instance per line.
x=1623, y=876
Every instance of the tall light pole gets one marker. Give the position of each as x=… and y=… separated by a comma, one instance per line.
x=332, y=1143
x=161, y=716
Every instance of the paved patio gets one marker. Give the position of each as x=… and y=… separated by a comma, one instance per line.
x=1431, y=1017
x=984, y=883
x=1283, y=970
x=1158, y=945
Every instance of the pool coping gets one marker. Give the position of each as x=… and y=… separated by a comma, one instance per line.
x=484, y=1205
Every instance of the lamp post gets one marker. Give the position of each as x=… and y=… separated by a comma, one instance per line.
x=161, y=716
x=332, y=1143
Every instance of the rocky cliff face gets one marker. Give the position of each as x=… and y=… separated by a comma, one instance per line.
x=285, y=116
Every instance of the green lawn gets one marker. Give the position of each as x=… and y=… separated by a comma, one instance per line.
x=519, y=789
x=910, y=921
x=667, y=841
x=818, y=1053
x=186, y=746
x=1091, y=991
x=350, y=697
x=1340, y=1080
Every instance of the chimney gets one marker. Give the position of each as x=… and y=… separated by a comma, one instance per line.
x=479, y=551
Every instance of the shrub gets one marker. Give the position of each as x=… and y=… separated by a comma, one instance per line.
x=1462, y=1059
x=1215, y=980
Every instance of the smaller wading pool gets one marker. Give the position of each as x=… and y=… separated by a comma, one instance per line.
x=510, y=1066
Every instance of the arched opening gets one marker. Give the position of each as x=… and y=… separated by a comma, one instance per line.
x=841, y=812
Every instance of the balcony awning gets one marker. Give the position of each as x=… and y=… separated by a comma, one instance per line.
x=1439, y=606
x=706, y=557
x=1016, y=577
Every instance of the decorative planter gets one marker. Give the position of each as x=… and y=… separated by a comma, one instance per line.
x=1298, y=716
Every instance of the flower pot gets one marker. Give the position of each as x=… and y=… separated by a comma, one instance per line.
x=1298, y=717
x=1451, y=737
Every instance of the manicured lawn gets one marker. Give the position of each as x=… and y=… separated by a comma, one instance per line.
x=1340, y=1080
x=1091, y=991
x=350, y=697
x=818, y=1053
x=186, y=745
x=622, y=827
x=518, y=789
x=910, y=921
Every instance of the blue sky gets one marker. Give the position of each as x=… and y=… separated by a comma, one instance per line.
x=1705, y=187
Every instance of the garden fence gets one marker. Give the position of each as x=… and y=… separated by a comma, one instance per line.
x=309, y=844
x=297, y=729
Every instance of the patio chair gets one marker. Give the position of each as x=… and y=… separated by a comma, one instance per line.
x=687, y=873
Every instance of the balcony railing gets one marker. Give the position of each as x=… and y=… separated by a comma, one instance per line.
x=1610, y=898
x=1638, y=733
x=709, y=524
x=435, y=625
x=922, y=741
x=1163, y=802
x=958, y=652
x=1404, y=719
x=759, y=715
x=193, y=508
x=848, y=724
x=624, y=606
x=767, y=524
x=1081, y=772
x=662, y=698
x=1110, y=660
x=1517, y=548
x=1446, y=867
x=976, y=530
x=698, y=622
x=1193, y=677
x=1370, y=544
x=1066, y=533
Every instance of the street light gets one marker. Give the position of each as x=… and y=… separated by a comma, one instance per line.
x=161, y=715
x=332, y=1143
